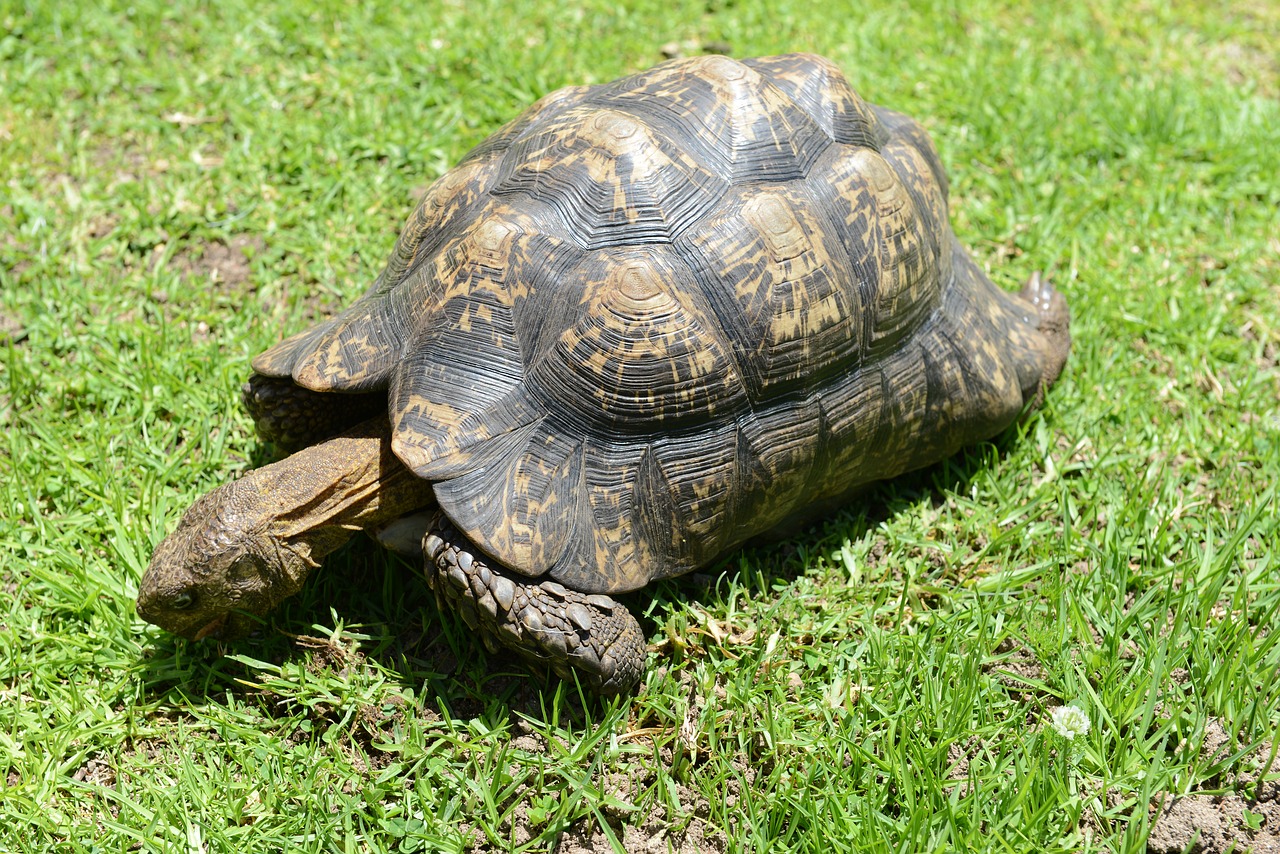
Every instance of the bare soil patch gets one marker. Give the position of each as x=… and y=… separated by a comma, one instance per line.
x=11, y=329
x=1213, y=824
x=226, y=264
x=1242, y=64
x=686, y=831
x=1245, y=818
x=1020, y=672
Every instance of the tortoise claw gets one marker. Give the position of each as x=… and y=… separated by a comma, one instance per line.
x=542, y=622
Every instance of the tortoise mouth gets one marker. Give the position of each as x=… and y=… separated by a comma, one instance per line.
x=213, y=628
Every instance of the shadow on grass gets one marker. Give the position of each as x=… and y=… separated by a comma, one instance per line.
x=383, y=606
x=386, y=616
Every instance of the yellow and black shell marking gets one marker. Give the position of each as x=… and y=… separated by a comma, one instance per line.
x=650, y=319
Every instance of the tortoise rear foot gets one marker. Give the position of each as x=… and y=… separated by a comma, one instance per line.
x=1052, y=318
x=542, y=622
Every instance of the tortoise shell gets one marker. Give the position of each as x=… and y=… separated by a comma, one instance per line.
x=650, y=319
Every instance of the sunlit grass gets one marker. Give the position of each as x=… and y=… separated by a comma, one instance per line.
x=182, y=185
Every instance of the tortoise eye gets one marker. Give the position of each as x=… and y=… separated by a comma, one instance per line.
x=183, y=601
x=243, y=569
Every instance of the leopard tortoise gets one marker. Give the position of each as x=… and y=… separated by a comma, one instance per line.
x=640, y=324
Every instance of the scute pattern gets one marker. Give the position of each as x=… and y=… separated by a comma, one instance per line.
x=649, y=319
x=782, y=288
x=357, y=350
x=610, y=178
x=541, y=110
x=817, y=86
x=641, y=351
x=732, y=119
x=881, y=225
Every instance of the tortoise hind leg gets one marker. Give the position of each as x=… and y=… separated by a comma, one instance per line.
x=542, y=622
x=1012, y=346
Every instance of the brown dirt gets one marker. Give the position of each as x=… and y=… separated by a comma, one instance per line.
x=11, y=329
x=1246, y=818
x=102, y=226
x=652, y=837
x=1019, y=672
x=224, y=264
x=679, y=825
x=1212, y=824
x=96, y=772
x=587, y=837
x=1246, y=65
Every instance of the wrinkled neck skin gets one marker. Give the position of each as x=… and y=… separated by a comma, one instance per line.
x=251, y=543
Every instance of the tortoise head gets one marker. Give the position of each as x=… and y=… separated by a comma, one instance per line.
x=243, y=548
x=220, y=568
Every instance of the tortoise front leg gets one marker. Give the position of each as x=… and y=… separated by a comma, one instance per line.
x=542, y=622
x=292, y=417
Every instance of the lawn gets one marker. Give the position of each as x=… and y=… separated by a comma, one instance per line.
x=182, y=184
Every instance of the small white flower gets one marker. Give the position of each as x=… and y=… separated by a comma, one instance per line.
x=1070, y=721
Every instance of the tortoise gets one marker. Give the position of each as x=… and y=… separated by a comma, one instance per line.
x=642, y=323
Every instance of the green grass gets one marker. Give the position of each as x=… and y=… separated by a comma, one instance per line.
x=883, y=679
